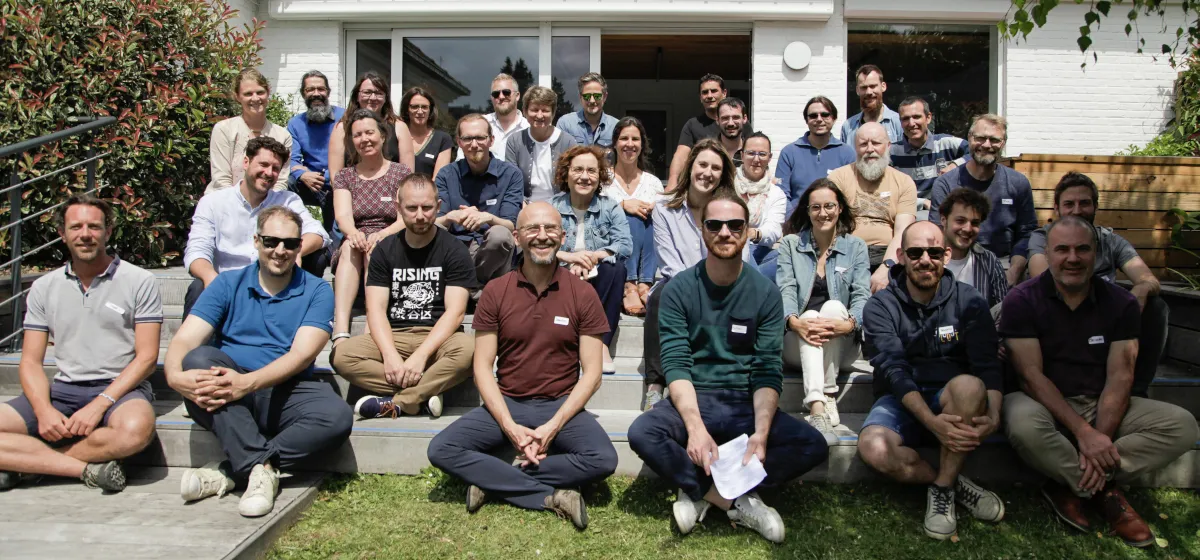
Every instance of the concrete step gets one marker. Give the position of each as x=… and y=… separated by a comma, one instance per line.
x=399, y=445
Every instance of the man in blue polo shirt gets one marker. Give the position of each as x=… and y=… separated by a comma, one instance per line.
x=481, y=196
x=924, y=156
x=590, y=125
x=253, y=386
x=310, y=132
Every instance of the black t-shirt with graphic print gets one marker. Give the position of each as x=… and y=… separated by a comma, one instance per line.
x=417, y=278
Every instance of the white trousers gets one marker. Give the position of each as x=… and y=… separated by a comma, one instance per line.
x=821, y=364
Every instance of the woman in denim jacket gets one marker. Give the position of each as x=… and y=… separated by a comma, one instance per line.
x=598, y=253
x=825, y=281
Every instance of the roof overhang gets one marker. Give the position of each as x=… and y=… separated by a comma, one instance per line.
x=668, y=11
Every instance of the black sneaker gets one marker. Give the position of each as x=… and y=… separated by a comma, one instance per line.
x=376, y=407
x=109, y=476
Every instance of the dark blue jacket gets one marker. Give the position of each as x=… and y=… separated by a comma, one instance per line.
x=922, y=347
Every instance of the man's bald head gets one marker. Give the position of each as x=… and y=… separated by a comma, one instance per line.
x=924, y=234
x=871, y=130
x=538, y=212
x=540, y=233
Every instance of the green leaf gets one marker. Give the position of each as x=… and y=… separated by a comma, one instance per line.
x=1039, y=15
x=1002, y=28
x=1084, y=43
x=1020, y=16
x=1128, y=28
x=1085, y=30
x=1026, y=28
x=1103, y=7
x=1091, y=17
x=1133, y=15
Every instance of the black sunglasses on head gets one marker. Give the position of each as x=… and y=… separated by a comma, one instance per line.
x=735, y=226
x=505, y=92
x=935, y=253
x=289, y=243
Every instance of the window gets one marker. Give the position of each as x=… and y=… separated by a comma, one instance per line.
x=458, y=71
x=372, y=54
x=570, y=59
x=948, y=65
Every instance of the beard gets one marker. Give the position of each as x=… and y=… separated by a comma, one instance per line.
x=726, y=251
x=318, y=109
x=732, y=133
x=983, y=158
x=418, y=229
x=552, y=259
x=872, y=170
x=915, y=278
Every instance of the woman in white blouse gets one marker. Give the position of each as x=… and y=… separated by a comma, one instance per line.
x=767, y=202
x=227, y=146
x=635, y=188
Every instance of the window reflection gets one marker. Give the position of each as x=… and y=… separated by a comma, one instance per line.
x=459, y=70
x=948, y=65
x=570, y=58
x=372, y=54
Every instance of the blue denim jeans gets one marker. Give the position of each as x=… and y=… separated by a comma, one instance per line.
x=642, y=264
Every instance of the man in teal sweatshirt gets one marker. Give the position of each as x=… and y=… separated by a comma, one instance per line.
x=722, y=345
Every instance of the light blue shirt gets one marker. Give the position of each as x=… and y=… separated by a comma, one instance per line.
x=605, y=226
x=224, y=224
x=889, y=119
x=577, y=126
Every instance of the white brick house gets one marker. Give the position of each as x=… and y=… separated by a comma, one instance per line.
x=1052, y=104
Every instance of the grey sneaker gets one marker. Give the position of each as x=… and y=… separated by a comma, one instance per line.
x=109, y=476
x=259, y=497
x=475, y=498
x=940, y=522
x=750, y=511
x=209, y=480
x=822, y=423
x=835, y=419
x=984, y=505
x=652, y=398
x=688, y=513
x=434, y=406
x=568, y=504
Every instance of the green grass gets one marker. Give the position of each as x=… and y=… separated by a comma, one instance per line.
x=420, y=517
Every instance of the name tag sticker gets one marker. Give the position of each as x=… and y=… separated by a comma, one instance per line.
x=1098, y=339
x=945, y=331
x=562, y=321
x=491, y=201
x=114, y=307
x=1007, y=201
x=885, y=194
x=839, y=269
x=430, y=156
x=385, y=199
x=739, y=329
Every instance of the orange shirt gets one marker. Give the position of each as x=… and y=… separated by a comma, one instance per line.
x=875, y=212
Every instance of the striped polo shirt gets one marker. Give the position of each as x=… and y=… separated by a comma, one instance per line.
x=922, y=163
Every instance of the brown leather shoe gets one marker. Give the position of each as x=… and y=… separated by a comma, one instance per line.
x=1124, y=522
x=1067, y=506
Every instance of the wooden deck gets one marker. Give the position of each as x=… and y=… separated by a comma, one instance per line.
x=63, y=519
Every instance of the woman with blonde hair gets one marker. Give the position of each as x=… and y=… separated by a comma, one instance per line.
x=227, y=146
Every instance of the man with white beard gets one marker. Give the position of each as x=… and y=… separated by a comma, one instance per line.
x=1007, y=228
x=310, y=132
x=884, y=200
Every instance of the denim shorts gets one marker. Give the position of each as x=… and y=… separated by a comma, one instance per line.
x=68, y=398
x=890, y=413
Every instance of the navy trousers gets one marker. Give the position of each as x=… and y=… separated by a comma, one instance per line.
x=580, y=453
x=609, y=283
x=660, y=438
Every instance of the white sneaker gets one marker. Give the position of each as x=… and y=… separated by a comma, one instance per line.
x=259, y=497
x=205, y=481
x=435, y=406
x=940, y=522
x=835, y=419
x=688, y=513
x=750, y=511
x=652, y=398
x=822, y=424
x=983, y=504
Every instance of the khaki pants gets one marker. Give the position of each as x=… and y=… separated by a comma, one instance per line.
x=493, y=257
x=1151, y=435
x=360, y=362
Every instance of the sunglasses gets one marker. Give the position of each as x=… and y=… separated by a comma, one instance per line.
x=501, y=92
x=289, y=243
x=935, y=253
x=592, y=96
x=822, y=114
x=735, y=226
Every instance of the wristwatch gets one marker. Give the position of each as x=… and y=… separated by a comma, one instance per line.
x=889, y=263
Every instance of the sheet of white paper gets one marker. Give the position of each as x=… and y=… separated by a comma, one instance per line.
x=729, y=475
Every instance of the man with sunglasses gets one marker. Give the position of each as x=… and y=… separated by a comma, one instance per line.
x=590, y=125
x=222, y=234
x=722, y=329
x=505, y=119
x=937, y=380
x=813, y=155
x=253, y=385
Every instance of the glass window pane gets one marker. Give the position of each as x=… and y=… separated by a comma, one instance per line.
x=458, y=71
x=372, y=54
x=570, y=58
x=948, y=65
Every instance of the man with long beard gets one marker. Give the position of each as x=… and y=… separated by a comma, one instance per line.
x=937, y=380
x=1006, y=230
x=883, y=199
x=310, y=132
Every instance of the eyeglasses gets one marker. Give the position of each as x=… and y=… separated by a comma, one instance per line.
x=822, y=114
x=592, y=96
x=992, y=139
x=533, y=229
x=418, y=107
x=735, y=226
x=501, y=92
x=584, y=171
x=289, y=243
x=317, y=89
x=759, y=155
x=817, y=208
x=472, y=139
x=372, y=93
x=914, y=253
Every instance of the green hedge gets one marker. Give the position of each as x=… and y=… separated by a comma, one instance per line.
x=162, y=67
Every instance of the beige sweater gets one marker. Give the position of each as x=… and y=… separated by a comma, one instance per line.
x=227, y=152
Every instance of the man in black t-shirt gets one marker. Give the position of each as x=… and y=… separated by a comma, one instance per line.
x=705, y=125
x=418, y=283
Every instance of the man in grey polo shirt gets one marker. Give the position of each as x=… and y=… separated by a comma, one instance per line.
x=104, y=316
x=1076, y=195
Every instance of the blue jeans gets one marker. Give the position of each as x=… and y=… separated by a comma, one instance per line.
x=890, y=413
x=660, y=438
x=767, y=259
x=642, y=264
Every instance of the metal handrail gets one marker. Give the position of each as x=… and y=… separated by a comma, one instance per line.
x=16, y=221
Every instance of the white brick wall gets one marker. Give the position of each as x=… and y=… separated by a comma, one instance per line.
x=779, y=92
x=247, y=11
x=292, y=48
x=1053, y=106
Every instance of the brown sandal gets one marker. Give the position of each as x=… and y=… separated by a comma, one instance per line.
x=633, y=300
